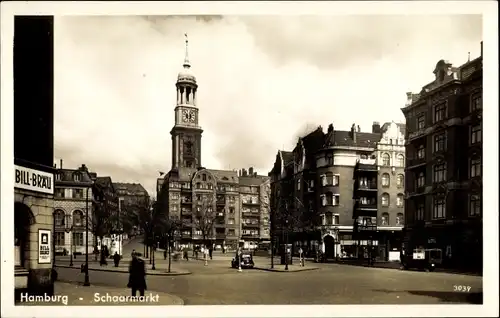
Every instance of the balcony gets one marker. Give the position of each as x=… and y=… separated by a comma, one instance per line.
x=186, y=212
x=370, y=186
x=250, y=225
x=366, y=165
x=415, y=163
x=187, y=201
x=220, y=236
x=186, y=235
x=250, y=203
x=364, y=212
x=250, y=236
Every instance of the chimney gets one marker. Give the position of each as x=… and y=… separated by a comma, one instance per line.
x=353, y=132
x=481, y=48
x=60, y=164
x=250, y=171
x=330, y=128
x=376, y=127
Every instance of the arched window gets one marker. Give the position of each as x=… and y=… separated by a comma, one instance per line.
x=401, y=160
x=386, y=159
x=298, y=184
x=59, y=217
x=385, y=219
x=329, y=179
x=400, y=220
x=400, y=181
x=77, y=218
x=400, y=200
x=386, y=180
x=385, y=199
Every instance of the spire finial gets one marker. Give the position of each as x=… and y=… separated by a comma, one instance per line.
x=468, y=58
x=186, y=58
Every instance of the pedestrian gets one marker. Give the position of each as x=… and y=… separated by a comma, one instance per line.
x=206, y=253
x=165, y=254
x=137, y=275
x=116, y=259
x=185, y=254
x=210, y=251
x=103, y=259
x=196, y=252
x=223, y=249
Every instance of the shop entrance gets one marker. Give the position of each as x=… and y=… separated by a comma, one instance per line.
x=329, y=247
x=23, y=219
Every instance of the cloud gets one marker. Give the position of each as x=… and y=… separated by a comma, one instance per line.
x=260, y=80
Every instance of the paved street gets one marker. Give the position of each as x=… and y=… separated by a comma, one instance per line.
x=217, y=284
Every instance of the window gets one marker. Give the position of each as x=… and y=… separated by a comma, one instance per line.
x=329, y=159
x=59, y=218
x=231, y=210
x=298, y=184
x=230, y=232
x=440, y=142
x=385, y=219
x=401, y=160
x=58, y=176
x=210, y=186
x=198, y=185
x=420, y=180
x=439, y=112
x=385, y=199
x=330, y=199
x=475, y=167
x=440, y=172
x=336, y=219
x=329, y=179
x=59, y=239
x=197, y=232
x=475, y=134
x=173, y=208
x=175, y=196
x=59, y=193
x=77, y=193
x=204, y=177
x=77, y=239
x=400, y=219
x=476, y=102
x=421, y=122
x=230, y=221
x=420, y=212
x=438, y=210
x=386, y=159
x=77, y=177
x=386, y=180
x=474, y=205
x=400, y=200
x=400, y=181
x=421, y=152
x=77, y=218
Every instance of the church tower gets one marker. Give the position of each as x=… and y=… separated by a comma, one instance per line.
x=186, y=133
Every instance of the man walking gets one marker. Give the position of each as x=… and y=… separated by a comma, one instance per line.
x=137, y=275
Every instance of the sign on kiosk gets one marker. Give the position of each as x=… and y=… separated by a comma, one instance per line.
x=34, y=180
x=44, y=246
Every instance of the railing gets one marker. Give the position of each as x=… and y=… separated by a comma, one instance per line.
x=250, y=203
x=367, y=186
x=187, y=201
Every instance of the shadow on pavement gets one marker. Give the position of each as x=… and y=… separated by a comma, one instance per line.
x=475, y=298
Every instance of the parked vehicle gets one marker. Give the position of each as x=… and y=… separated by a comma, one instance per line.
x=246, y=260
x=422, y=259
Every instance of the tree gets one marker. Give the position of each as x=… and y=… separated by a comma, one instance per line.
x=168, y=228
x=103, y=216
x=205, y=216
x=143, y=214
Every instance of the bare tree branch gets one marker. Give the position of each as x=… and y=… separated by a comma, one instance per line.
x=205, y=216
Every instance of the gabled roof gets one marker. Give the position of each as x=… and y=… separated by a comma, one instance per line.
x=287, y=157
x=225, y=176
x=253, y=181
x=67, y=176
x=135, y=189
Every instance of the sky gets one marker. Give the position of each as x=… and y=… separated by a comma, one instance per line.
x=263, y=82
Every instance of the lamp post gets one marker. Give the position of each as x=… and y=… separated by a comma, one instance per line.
x=69, y=229
x=87, y=281
x=154, y=249
x=286, y=244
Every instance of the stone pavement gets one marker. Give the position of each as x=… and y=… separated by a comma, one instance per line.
x=161, y=269
x=67, y=294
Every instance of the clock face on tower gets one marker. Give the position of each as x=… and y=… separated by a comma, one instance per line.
x=188, y=116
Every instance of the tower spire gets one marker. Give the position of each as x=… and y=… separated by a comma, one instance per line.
x=186, y=58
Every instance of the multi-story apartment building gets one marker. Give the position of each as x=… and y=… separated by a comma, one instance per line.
x=444, y=167
x=129, y=196
x=316, y=182
x=73, y=199
x=208, y=202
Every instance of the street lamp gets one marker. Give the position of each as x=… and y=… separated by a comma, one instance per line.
x=154, y=249
x=87, y=281
x=69, y=229
x=286, y=244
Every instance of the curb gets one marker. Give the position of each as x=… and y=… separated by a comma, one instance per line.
x=284, y=271
x=126, y=271
x=437, y=270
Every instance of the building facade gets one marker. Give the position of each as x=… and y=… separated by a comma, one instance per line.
x=317, y=178
x=444, y=167
x=33, y=155
x=130, y=196
x=208, y=202
x=73, y=200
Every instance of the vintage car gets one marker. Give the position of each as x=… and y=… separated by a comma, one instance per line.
x=246, y=260
x=423, y=259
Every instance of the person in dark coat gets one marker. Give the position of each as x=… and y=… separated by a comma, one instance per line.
x=137, y=276
x=116, y=258
x=210, y=251
x=103, y=257
x=165, y=254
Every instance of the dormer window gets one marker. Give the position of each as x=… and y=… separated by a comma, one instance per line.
x=77, y=177
x=58, y=176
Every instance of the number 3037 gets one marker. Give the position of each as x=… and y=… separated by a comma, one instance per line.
x=461, y=288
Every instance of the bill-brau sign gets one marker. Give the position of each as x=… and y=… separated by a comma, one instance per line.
x=33, y=180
